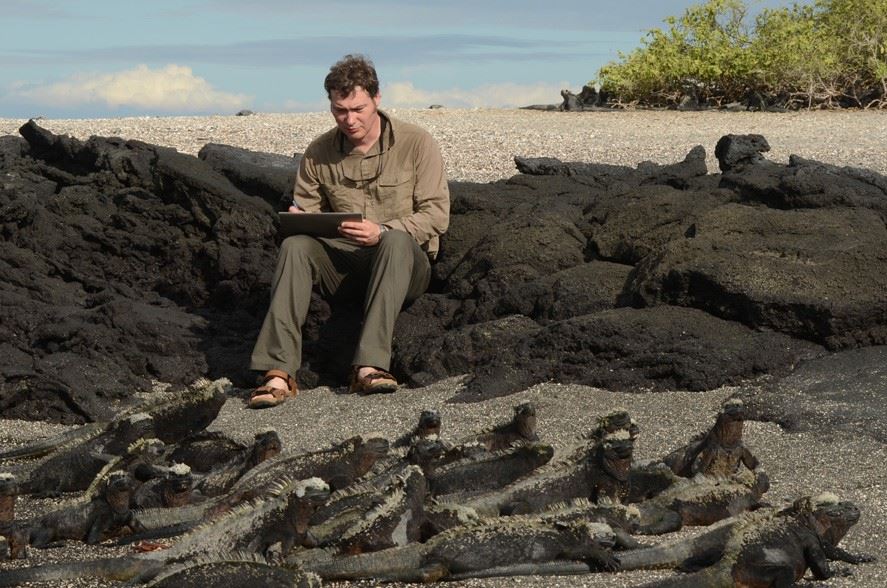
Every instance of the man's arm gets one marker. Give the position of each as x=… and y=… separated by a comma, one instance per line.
x=431, y=195
x=306, y=191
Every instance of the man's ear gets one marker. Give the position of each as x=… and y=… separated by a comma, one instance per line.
x=377, y=99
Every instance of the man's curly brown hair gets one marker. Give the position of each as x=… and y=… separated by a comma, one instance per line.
x=350, y=72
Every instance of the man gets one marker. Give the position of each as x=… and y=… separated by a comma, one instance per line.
x=390, y=171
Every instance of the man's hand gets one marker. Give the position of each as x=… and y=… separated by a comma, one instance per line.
x=365, y=232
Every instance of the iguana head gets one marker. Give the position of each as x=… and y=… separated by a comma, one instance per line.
x=9, y=490
x=614, y=454
x=128, y=430
x=829, y=516
x=369, y=451
x=118, y=490
x=8, y=485
x=525, y=420
x=424, y=450
x=429, y=424
x=728, y=426
x=305, y=497
x=615, y=421
x=266, y=445
x=175, y=490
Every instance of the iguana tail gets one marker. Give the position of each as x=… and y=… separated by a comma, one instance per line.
x=715, y=577
x=120, y=569
x=693, y=553
x=395, y=564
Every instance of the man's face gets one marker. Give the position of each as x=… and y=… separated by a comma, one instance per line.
x=355, y=113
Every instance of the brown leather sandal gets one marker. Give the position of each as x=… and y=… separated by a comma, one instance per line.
x=376, y=382
x=266, y=396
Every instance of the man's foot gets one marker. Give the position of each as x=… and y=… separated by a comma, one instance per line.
x=276, y=387
x=371, y=380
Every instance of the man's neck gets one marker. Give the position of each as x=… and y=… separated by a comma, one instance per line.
x=371, y=137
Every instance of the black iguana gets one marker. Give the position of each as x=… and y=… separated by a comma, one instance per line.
x=720, y=451
x=9, y=492
x=768, y=547
x=279, y=517
x=232, y=571
x=91, y=519
x=339, y=466
x=172, y=488
x=473, y=549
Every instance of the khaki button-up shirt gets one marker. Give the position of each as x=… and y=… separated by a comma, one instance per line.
x=400, y=182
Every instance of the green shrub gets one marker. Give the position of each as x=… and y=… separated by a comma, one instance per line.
x=828, y=53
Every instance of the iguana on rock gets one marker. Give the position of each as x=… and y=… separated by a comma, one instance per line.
x=73, y=466
x=719, y=451
x=90, y=520
x=472, y=549
x=763, y=548
x=281, y=516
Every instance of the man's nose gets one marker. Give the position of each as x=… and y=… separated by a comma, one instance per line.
x=350, y=117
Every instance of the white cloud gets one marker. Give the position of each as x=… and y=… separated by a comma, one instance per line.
x=173, y=88
x=506, y=95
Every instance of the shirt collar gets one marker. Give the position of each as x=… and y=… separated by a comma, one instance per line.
x=388, y=131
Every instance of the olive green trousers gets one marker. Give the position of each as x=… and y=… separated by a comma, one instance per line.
x=392, y=273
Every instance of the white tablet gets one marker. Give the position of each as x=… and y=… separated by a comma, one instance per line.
x=316, y=224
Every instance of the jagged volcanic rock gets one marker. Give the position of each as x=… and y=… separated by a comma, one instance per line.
x=126, y=263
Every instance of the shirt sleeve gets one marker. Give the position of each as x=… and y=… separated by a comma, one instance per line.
x=431, y=195
x=306, y=191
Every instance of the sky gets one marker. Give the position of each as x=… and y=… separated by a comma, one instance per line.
x=104, y=58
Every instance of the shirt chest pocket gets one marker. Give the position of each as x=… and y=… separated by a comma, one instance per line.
x=396, y=193
x=344, y=198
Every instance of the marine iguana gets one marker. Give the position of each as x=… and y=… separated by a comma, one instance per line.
x=92, y=519
x=768, y=547
x=9, y=492
x=222, y=477
x=428, y=425
x=396, y=520
x=142, y=461
x=232, y=571
x=704, y=500
x=338, y=465
x=719, y=451
x=486, y=471
x=609, y=466
x=521, y=427
x=471, y=549
x=563, y=478
x=617, y=420
x=73, y=468
x=171, y=417
x=173, y=488
x=280, y=516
